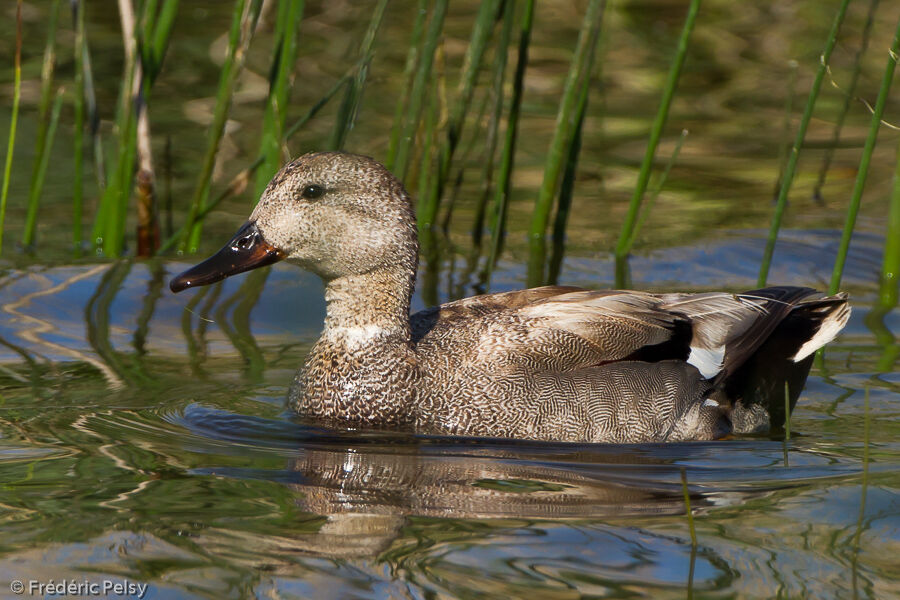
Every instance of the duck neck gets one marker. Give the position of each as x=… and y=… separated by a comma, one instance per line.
x=371, y=308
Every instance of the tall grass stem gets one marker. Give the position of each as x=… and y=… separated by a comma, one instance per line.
x=44, y=160
x=409, y=74
x=481, y=33
x=243, y=24
x=419, y=90
x=489, y=140
x=349, y=108
x=788, y=178
x=427, y=158
x=849, y=96
x=493, y=129
x=657, y=188
x=567, y=187
x=863, y=171
x=78, y=137
x=565, y=122
x=284, y=57
x=507, y=157
x=11, y=142
x=44, y=110
x=90, y=100
x=787, y=411
x=890, y=264
x=625, y=237
x=155, y=39
x=687, y=507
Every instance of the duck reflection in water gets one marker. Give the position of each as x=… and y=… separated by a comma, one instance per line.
x=368, y=493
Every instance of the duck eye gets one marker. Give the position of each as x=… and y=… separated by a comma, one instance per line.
x=311, y=192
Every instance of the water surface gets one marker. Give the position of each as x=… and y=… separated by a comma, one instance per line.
x=144, y=437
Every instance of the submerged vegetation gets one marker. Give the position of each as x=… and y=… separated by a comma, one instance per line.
x=434, y=139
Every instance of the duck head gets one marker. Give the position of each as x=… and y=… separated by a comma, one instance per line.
x=331, y=213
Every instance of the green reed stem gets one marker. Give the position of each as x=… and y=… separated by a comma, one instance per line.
x=10, y=145
x=687, y=507
x=152, y=45
x=623, y=246
x=429, y=134
x=787, y=411
x=493, y=129
x=507, y=157
x=489, y=140
x=243, y=24
x=109, y=224
x=849, y=95
x=567, y=187
x=565, y=122
x=566, y=190
x=481, y=33
x=77, y=182
x=788, y=178
x=167, y=182
x=409, y=74
x=91, y=112
x=427, y=158
x=108, y=231
x=890, y=264
x=290, y=13
x=563, y=135
x=419, y=90
x=349, y=108
x=657, y=188
x=119, y=192
x=43, y=162
x=40, y=147
x=156, y=35
x=148, y=11
x=863, y=171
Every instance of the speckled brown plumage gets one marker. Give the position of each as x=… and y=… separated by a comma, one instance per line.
x=552, y=363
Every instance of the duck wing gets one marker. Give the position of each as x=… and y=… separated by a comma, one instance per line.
x=549, y=328
x=465, y=311
x=562, y=329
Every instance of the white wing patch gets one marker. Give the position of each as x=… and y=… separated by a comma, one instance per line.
x=828, y=330
x=708, y=361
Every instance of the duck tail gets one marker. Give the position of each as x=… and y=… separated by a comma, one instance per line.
x=755, y=384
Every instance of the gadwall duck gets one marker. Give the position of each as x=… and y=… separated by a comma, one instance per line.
x=550, y=363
